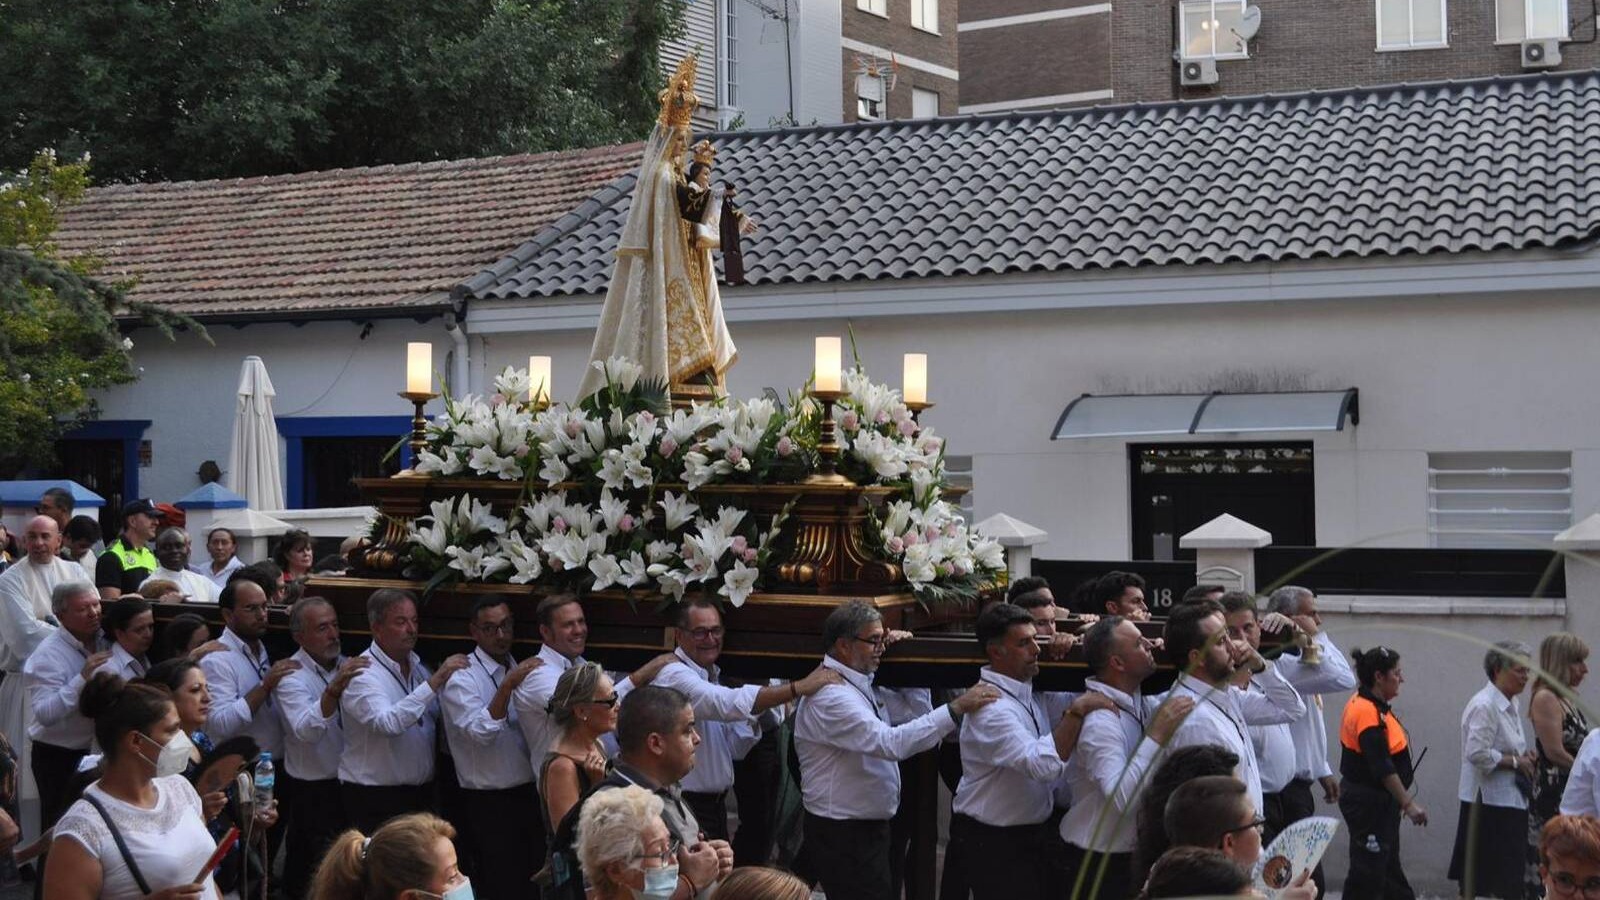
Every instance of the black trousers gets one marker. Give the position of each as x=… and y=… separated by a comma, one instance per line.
x=1298, y=802
x=711, y=811
x=498, y=825
x=53, y=771
x=849, y=857
x=1374, y=822
x=1003, y=863
x=1113, y=870
x=318, y=813
x=369, y=806
x=756, y=780
x=953, y=878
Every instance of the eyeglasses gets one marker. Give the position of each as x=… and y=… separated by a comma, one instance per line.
x=705, y=634
x=666, y=857
x=604, y=701
x=878, y=643
x=506, y=627
x=1259, y=824
x=1568, y=886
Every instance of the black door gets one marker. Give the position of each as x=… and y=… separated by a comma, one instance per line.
x=330, y=463
x=1176, y=488
x=98, y=466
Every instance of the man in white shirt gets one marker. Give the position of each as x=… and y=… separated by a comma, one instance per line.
x=1273, y=744
x=77, y=543
x=313, y=738
x=55, y=674
x=25, y=621
x=725, y=716
x=1117, y=749
x=498, y=800
x=389, y=718
x=172, y=552
x=220, y=546
x=1012, y=755
x=131, y=628
x=847, y=752
x=1197, y=639
x=1582, y=796
x=1313, y=674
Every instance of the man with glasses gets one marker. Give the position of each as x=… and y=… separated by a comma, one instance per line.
x=726, y=716
x=847, y=751
x=491, y=754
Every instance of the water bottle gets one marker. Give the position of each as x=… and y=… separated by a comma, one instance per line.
x=266, y=776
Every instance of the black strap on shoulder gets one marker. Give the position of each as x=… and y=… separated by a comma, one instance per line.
x=122, y=845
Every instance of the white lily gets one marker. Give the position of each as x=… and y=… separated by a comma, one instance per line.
x=678, y=510
x=606, y=571
x=635, y=571
x=738, y=582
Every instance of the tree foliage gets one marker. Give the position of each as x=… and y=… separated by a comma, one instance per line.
x=178, y=89
x=60, y=341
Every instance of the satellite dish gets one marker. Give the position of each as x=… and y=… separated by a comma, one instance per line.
x=1249, y=22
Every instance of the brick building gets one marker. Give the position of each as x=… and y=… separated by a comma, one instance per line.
x=1021, y=54
x=900, y=59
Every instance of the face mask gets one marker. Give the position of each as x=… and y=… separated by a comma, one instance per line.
x=174, y=755
x=462, y=891
x=659, y=884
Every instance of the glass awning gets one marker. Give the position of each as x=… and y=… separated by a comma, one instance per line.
x=1148, y=415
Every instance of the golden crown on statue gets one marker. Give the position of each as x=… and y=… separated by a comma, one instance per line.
x=678, y=99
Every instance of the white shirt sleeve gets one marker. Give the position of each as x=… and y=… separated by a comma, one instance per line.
x=1331, y=676
x=364, y=701
x=301, y=705
x=1478, y=747
x=230, y=712
x=711, y=702
x=52, y=694
x=999, y=735
x=1100, y=751
x=852, y=728
x=461, y=705
x=20, y=629
x=1582, y=796
x=1277, y=704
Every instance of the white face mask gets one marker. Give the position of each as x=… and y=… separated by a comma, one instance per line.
x=462, y=891
x=659, y=883
x=174, y=755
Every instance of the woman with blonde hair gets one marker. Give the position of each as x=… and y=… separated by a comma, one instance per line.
x=408, y=858
x=1559, y=728
x=584, y=706
x=762, y=883
x=625, y=848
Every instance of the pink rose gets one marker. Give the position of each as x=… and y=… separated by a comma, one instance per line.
x=910, y=539
x=907, y=428
x=559, y=526
x=734, y=454
x=930, y=532
x=896, y=546
x=739, y=544
x=749, y=554
x=883, y=417
x=785, y=446
x=626, y=523
x=521, y=451
x=850, y=421
x=945, y=569
x=668, y=446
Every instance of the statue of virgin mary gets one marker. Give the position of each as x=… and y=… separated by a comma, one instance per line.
x=662, y=308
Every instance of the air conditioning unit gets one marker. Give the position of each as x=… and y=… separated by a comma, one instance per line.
x=1541, y=54
x=1196, y=72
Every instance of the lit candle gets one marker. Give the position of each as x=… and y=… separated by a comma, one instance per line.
x=419, y=368
x=916, y=378
x=829, y=353
x=539, y=379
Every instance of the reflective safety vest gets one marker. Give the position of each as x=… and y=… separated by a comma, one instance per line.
x=132, y=559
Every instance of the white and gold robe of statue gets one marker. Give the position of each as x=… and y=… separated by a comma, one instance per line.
x=662, y=307
x=25, y=621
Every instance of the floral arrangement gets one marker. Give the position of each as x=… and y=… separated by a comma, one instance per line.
x=611, y=489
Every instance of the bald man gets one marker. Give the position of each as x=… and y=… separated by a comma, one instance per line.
x=25, y=621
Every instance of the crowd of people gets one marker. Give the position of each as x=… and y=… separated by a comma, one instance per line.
x=492, y=776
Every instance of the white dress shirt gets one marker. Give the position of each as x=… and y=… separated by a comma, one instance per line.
x=312, y=743
x=1009, y=763
x=1223, y=716
x=1582, y=796
x=531, y=700
x=848, y=752
x=230, y=674
x=490, y=754
x=54, y=674
x=218, y=579
x=388, y=724
x=1310, y=732
x=1108, y=770
x=196, y=588
x=1274, y=748
x=724, y=717
x=1491, y=726
x=25, y=617
x=125, y=664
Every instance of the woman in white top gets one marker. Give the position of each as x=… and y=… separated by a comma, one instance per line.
x=1496, y=778
x=143, y=797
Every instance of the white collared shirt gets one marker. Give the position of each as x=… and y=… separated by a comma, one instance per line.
x=312, y=743
x=1108, y=770
x=25, y=618
x=54, y=675
x=490, y=754
x=388, y=724
x=1223, y=716
x=1491, y=726
x=531, y=700
x=1582, y=796
x=848, y=752
x=1310, y=732
x=196, y=588
x=124, y=664
x=723, y=716
x=1009, y=763
x=217, y=579
x=230, y=674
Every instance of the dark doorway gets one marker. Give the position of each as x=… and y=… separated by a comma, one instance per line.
x=100, y=466
x=330, y=462
x=1176, y=488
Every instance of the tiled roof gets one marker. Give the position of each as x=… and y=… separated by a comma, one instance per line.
x=1438, y=168
x=385, y=239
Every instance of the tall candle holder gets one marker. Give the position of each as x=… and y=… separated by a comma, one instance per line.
x=827, y=446
x=916, y=410
x=419, y=426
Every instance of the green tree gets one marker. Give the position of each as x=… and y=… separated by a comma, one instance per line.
x=61, y=340
x=180, y=89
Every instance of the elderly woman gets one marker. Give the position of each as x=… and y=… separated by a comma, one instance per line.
x=625, y=848
x=1559, y=728
x=584, y=706
x=1496, y=777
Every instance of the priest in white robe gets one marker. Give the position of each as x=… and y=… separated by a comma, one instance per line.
x=25, y=620
x=172, y=555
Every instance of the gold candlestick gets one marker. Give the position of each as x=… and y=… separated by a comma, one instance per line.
x=827, y=446
x=419, y=426
x=916, y=410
